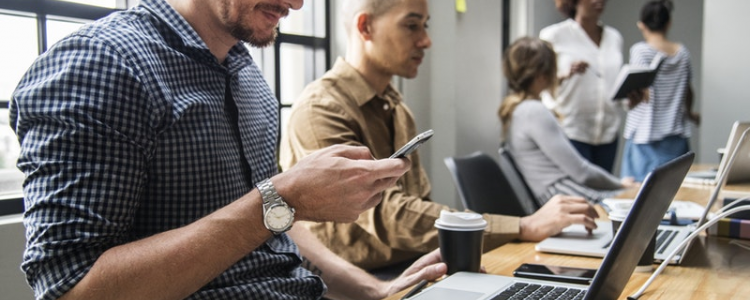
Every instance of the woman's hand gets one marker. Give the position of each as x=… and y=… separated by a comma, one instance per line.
x=629, y=182
x=635, y=97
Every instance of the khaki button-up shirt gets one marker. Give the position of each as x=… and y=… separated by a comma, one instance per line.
x=342, y=108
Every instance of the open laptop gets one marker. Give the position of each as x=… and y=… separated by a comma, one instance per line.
x=740, y=170
x=575, y=240
x=649, y=207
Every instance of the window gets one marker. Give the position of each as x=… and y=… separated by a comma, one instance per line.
x=15, y=60
x=101, y=3
x=35, y=25
x=303, y=49
x=300, y=55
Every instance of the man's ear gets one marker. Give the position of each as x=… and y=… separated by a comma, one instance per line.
x=364, y=26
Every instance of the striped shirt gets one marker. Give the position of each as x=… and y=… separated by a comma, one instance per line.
x=664, y=114
x=124, y=134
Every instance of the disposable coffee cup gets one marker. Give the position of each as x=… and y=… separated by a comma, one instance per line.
x=461, y=236
x=645, y=263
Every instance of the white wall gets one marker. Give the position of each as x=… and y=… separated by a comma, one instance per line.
x=725, y=72
x=459, y=88
x=12, y=281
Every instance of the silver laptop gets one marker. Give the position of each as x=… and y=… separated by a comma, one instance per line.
x=649, y=207
x=575, y=240
x=740, y=170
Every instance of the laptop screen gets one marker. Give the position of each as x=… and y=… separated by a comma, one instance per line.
x=652, y=201
x=740, y=169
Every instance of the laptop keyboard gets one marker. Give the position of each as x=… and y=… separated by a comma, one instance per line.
x=663, y=239
x=521, y=290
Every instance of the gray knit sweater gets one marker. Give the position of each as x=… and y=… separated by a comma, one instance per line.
x=544, y=154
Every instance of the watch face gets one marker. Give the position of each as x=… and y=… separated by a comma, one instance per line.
x=278, y=218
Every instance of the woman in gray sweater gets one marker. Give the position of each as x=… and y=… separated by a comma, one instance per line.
x=548, y=162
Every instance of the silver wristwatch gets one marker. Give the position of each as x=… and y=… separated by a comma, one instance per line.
x=278, y=216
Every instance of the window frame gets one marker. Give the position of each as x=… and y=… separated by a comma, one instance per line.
x=308, y=41
x=12, y=203
x=42, y=8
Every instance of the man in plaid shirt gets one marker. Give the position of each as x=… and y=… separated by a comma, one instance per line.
x=144, y=136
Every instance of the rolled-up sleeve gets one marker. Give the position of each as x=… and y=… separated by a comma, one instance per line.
x=83, y=151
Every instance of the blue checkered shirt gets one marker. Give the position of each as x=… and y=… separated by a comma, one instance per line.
x=124, y=135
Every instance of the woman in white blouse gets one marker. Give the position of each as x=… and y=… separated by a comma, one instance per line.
x=589, y=57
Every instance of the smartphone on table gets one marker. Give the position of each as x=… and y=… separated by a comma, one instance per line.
x=555, y=273
x=413, y=144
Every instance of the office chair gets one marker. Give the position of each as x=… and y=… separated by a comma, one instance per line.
x=514, y=176
x=488, y=187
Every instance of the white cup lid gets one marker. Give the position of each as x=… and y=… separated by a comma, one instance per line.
x=618, y=214
x=624, y=206
x=462, y=221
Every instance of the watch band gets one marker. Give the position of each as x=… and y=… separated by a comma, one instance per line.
x=268, y=191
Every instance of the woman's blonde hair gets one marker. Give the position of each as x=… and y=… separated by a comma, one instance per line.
x=525, y=60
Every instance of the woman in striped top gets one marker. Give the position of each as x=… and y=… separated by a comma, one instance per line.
x=657, y=130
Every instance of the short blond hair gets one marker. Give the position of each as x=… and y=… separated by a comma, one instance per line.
x=375, y=8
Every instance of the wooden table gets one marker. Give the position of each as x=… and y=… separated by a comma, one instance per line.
x=714, y=268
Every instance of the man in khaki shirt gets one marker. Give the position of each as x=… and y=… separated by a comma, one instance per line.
x=354, y=103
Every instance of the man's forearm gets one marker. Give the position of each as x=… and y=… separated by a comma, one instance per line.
x=176, y=263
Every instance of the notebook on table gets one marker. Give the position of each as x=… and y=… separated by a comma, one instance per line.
x=649, y=207
x=740, y=170
x=575, y=240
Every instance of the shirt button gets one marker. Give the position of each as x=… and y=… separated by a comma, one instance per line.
x=386, y=106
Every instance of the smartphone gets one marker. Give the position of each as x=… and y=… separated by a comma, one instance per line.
x=413, y=144
x=555, y=273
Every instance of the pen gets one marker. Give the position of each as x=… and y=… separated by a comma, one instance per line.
x=417, y=288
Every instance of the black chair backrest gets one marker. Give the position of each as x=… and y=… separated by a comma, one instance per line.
x=517, y=181
x=484, y=187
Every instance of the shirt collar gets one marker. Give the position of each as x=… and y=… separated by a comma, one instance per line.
x=238, y=55
x=573, y=23
x=358, y=88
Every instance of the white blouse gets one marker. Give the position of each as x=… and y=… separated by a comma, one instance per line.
x=588, y=115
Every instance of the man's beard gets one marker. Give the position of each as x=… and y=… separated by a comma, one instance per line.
x=248, y=35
